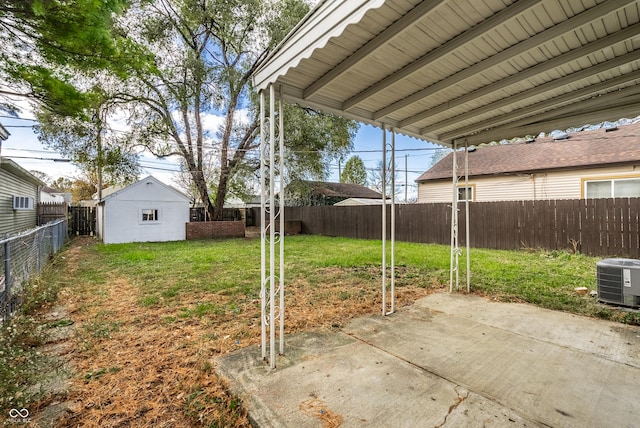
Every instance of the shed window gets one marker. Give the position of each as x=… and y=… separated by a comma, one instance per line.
x=615, y=188
x=149, y=215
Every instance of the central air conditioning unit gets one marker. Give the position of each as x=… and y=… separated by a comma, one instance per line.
x=619, y=281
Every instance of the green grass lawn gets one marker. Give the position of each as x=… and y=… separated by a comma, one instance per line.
x=164, y=270
x=167, y=309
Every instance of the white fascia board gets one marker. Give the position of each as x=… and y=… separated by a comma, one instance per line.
x=328, y=19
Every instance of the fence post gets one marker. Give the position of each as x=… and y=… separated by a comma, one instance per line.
x=38, y=255
x=7, y=280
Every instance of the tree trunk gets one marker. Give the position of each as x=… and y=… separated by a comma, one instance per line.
x=221, y=194
x=201, y=185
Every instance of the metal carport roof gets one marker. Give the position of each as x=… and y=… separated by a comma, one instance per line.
x=470, y=71
x=454, y=72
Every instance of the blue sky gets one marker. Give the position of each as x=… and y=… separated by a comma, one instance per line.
x=25, y=149
x=368, y=146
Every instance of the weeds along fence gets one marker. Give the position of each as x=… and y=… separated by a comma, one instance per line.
x=22, y=257
x=597, y=227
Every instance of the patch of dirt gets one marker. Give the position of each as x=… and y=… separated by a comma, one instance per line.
x=137, y=366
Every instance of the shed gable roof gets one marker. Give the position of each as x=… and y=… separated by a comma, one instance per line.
x=142, y=182
x=582, y=149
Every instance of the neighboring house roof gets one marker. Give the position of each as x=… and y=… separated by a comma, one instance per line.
x=359, y=201
x=340, y=190
x=49, y=195
x=253, y=201
x=51, y=190
x=234, y=202
x=18, y=171
x=581, y=150
x=141, y=183
x=107, y=191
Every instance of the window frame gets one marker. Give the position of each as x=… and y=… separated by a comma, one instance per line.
x=470, y=187
x=157, y=213
x=612, y=180
x=23, y=203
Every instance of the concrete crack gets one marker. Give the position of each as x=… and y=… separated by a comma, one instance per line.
x=459, y=400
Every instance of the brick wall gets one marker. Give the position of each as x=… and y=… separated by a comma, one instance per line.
x=215, y=229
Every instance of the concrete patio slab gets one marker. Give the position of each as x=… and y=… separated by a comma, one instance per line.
x=448, y=361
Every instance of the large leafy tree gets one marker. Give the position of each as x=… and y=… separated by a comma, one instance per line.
x=354, y=172
x=205, y=54
x=91, y=143
x=44, y=41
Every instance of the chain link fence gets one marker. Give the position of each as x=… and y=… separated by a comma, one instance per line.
x=24, y=256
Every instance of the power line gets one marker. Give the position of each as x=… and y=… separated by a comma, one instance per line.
x=38, y=158
x=17, y=118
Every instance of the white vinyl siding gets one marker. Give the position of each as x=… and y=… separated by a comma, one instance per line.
x=540, y=186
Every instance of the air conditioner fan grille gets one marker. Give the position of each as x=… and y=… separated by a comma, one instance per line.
x=610, y=284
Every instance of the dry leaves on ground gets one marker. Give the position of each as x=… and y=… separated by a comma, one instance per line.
x=139, y=366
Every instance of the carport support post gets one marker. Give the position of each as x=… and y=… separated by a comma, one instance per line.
x=393, y=220
x=453, y=261
x=466, y=216
x=272, y=227
x=268, y=302
x=263, y=250
x=384, y=220
x=281, y=213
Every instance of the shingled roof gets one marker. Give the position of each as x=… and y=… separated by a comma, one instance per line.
x=581, y=150
x=341, y=190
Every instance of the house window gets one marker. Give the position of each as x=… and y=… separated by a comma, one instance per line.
x=465, y=193
x=149, y=215
x=22, y=203
x=615, y=188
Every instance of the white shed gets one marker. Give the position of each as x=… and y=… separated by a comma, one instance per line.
x=145, y=211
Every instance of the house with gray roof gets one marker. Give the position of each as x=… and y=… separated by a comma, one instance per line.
x=305, y=192
x=602, y=163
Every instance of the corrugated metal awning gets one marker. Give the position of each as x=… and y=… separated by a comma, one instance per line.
x=467, y=70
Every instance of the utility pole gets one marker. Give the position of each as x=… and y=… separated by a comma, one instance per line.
x=99, y=162
x=340, y=170
x=406, y=179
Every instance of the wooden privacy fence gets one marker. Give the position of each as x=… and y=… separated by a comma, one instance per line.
x=82, y=221
x=598, y=227
x=50, y=211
